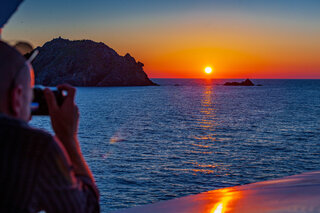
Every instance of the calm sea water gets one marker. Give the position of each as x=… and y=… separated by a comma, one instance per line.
x=148, y=144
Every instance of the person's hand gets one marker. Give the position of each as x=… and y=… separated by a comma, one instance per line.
x=64, y=118
x=65, y=121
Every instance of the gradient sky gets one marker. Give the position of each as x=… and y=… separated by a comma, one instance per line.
x=179, y=38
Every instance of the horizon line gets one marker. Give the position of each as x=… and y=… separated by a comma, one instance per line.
x=243, y=78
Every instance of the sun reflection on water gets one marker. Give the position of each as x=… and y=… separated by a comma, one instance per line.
x=208, y=114
x=207, y=123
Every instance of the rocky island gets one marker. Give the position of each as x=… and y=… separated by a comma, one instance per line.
x=86, y=63
x=243, y=83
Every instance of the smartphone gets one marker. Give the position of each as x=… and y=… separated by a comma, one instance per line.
x=39, y=104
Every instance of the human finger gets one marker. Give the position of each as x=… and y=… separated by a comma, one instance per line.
x=51, y=100
x=69, y=89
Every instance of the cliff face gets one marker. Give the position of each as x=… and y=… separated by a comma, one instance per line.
x=86, y=63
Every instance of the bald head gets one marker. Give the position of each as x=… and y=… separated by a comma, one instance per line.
x=14, y=73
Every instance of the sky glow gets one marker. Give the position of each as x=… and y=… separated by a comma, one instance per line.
x=176, y=39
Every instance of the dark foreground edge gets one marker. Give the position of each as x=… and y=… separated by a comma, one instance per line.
x=298, y=193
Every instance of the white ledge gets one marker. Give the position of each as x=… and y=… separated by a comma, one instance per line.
x=298, y=193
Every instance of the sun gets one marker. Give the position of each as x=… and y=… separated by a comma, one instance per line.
x=208, y=70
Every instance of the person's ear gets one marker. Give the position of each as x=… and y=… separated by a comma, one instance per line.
x=16, y=101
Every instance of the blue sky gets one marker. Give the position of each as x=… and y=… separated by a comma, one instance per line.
x=70, y=14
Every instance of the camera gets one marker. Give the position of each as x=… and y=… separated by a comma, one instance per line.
x=39, y=104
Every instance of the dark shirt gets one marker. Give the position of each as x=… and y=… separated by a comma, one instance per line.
x=36, y=173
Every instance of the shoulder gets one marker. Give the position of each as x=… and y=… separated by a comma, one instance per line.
x=47, y=144
x=37, y=135
x=21, y=127
x=54, y=155
x=19, y=132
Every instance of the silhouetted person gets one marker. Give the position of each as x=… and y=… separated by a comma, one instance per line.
x=38, y=171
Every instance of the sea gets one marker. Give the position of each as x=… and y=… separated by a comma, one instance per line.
x=187, y=136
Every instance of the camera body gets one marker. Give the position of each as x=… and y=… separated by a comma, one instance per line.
x=39, y=104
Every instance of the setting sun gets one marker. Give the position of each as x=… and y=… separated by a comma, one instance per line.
x=208, y=70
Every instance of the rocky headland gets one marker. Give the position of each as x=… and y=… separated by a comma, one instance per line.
x=86, y=63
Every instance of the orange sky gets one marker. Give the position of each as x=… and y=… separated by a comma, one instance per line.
x=237, y=44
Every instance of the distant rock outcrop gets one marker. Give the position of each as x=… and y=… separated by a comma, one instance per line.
x=243, y=83
x=86, y=63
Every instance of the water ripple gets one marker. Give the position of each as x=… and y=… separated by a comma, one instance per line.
x=146, y=144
